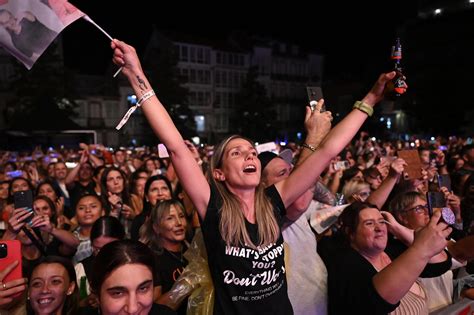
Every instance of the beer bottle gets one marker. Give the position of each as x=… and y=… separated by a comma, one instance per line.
x=398, y=83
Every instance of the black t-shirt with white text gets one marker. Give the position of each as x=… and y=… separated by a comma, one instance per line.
x=246, y=281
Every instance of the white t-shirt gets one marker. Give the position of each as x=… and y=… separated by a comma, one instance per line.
x=306, y=273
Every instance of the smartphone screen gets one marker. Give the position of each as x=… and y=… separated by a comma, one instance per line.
x=14, y=174
x=162, y=152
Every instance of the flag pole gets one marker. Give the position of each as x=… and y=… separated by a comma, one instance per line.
x=88, y=19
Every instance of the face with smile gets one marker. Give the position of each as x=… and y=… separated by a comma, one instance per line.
x=60, y=171
x=370, y=235
x=240, y=167
x=416, y=215
x=49, y=287
x=127, y=290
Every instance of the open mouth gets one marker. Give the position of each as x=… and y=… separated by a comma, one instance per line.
x=45, y=301
x=250, y=169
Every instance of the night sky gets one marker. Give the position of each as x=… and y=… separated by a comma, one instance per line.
x=348, y=34
x=355, y=38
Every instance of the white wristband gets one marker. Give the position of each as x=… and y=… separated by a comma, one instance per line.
x=130, y=111
x=144, y=97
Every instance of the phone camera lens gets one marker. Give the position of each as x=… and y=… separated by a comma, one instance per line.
x=3, y=250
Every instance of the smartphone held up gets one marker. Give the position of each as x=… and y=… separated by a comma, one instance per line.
x=10, y=252
x=24, y=199
x=315, y=94
x=437, y=202
x=341, y=165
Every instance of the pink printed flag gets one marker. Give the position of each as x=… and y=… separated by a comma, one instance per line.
x=28, y=27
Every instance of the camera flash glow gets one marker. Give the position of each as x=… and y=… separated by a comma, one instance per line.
x=432, y=138
x=438, y=11
x=412, y=144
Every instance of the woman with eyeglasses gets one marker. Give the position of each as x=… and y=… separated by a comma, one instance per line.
x=411, y=210
x=105, y=230
x=367, y=275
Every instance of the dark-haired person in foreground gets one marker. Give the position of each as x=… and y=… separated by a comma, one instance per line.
x=123, y=280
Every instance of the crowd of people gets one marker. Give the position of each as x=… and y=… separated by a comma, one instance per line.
x=112, y=229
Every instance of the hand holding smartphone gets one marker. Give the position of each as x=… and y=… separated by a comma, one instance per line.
x=11, y=279
x=314, y=95
x=444, y=180
x=24, y=199
x=436, y=201
x=341, y=165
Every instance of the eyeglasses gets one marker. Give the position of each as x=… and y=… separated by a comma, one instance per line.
x=364, y=194
x=418, y=209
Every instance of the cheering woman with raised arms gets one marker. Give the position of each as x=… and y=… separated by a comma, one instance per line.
x=240, y=219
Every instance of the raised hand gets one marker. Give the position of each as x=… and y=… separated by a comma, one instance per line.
x=9, y=290
x=431, y=239
x=128, y=212
x=397, y=167
x=126, y=57
x=377, y=93
x=42, y=222
x=18, y=219
x=317, y=124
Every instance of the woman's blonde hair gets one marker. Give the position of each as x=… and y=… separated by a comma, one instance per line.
x=353, y=187
x=232, y=221
x=148, y=236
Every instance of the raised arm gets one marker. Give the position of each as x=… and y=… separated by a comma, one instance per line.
x=71, y=176
x=188, y=170
x=394, y=281
x=380, y=196
x=306, y=174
